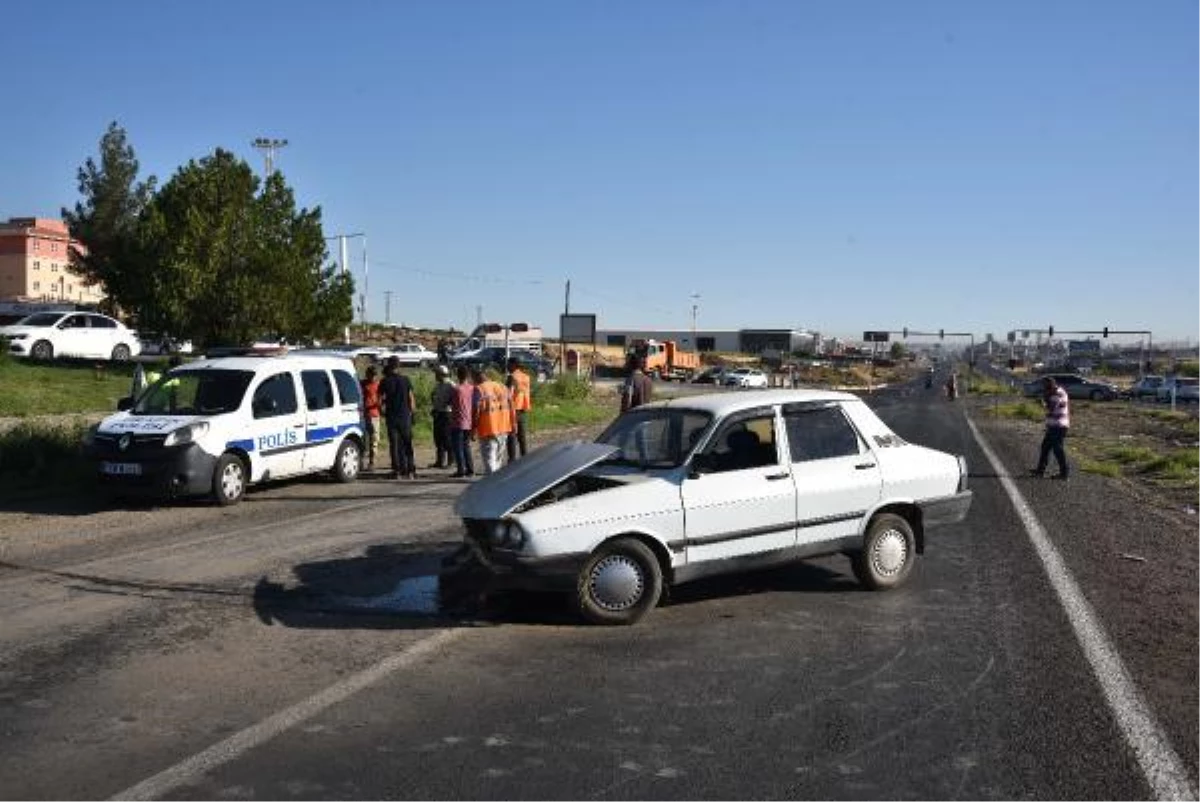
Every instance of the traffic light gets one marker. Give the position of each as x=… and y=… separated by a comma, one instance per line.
x=1106, y=331
x=519, y=327
x=1051, y=332
x=941, y=334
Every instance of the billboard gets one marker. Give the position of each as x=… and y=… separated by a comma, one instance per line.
x=577, y=329
x=1083, y=347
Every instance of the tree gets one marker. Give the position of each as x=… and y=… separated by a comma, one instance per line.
x=897, y=351
x=104, y=222
x=224, y=264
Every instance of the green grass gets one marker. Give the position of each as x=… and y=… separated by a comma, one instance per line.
x=31, y=388
x=1177, y=467
x=985, y=386
x=35, y=456
x=1022, y=410
x=1100, y=468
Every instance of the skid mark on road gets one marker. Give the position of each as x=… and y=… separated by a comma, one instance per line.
x=1160, y=765
x=192, y=769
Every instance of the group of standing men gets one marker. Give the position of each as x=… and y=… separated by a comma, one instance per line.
x=476, y=408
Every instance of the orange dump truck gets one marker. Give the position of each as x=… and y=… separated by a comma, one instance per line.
x=664, y=359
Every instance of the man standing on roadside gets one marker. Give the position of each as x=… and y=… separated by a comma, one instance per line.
x=1058, y=421
x=521, y=393
x=638, y=389
x=442, y=401
x=492, y=420
x=396, y=395
x=371, y=410
x=462, y=420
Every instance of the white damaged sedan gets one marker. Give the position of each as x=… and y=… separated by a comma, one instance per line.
x=681, y=489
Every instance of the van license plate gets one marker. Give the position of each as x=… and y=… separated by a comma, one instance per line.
x=121, y=468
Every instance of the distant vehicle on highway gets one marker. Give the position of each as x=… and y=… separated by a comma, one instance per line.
x=711, y=376
x=84, y=335
x=1076, y=386
x=155, y=344
x=410, y=355
x=745, y=378
x=1147, y=386
x=537, y=366
x=1184, y=388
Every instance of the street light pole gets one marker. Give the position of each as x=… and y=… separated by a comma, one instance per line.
x=342, y=238
x=695, y=307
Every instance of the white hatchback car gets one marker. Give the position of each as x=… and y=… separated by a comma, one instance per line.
x=84, y=335
x=745, y=377
x=218, y=425
x=678, y=490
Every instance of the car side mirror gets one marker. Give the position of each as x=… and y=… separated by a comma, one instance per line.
x=125, y=403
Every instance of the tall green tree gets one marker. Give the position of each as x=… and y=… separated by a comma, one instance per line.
x=225, y=263
x=106, y=219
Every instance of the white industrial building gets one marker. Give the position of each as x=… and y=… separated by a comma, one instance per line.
x=747, y=341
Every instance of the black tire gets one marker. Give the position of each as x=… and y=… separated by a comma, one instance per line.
x=620, y=583
x=348, y=462
x=42, y=350
x=229, y=480
x=423, y=364
x=888, y=553
x=121, y=353
x=1097, y=395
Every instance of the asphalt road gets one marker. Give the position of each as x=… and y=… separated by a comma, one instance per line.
x=298, y=646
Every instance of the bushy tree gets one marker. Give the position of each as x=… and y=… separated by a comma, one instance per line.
x=106, y=218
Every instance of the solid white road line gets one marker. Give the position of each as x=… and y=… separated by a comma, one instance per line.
x=191, y=769
x=1162, y=768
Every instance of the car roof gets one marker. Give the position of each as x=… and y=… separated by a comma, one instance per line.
x=725, y=403
x=272, y=361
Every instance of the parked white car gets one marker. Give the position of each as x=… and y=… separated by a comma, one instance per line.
x=745, y=377
x=82, y=335
x=411, y=355
x=218, y=425
x=674, y=491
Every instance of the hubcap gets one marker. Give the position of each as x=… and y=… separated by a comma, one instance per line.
x=890, y=552
x=350, y=461
x=231, y=480
x=616, y=582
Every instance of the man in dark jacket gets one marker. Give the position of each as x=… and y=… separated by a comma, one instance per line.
x=638, y=388
x=396, y=395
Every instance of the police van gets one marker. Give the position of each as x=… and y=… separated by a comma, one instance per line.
x=216, y=426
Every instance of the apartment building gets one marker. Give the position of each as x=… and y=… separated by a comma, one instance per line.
x=35, y=263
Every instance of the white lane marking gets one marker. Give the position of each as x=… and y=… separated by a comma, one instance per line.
x=1161, y=767
x=194, y=767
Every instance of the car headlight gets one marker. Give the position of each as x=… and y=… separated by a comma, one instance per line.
x=17, y=336
x=505, y=534
x=89, y=436
x=185, y=434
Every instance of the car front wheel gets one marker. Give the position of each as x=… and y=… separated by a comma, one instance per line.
x=229, y=480
x=42, y=350
x=121, y=353
x=348, y=462
x=620, y=583
x=888, y=553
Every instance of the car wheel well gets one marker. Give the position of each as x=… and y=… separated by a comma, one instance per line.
x=910, y=513
x=655, y=545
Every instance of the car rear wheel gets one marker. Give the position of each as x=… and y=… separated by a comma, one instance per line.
x=348, y=462
x=620, y=583
x=42, y=350
x=121, y=353
x=888, y=553
x=229, y=480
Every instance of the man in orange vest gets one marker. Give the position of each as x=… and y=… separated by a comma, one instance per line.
x=522, y=401
x=492, y=419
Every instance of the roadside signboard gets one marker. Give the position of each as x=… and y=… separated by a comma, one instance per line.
x=577, y=329
x=875, y=336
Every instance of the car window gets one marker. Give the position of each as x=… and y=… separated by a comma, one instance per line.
x=74, y=322
x=101, y=322
x=41, y=319
x=657, y=438
x=348, y=387
x=318, y=392
x=275, y=396
x=820, y=433
x=747, y=442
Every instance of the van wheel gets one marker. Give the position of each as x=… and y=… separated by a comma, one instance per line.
x=348, y=462
x=619, y=583
x=229, y=480
x=887, y=555
x=42, y=350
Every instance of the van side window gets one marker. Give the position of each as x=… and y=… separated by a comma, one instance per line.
x=348, y=387
x=275, y=396
x=318, y=392
x=820, y=433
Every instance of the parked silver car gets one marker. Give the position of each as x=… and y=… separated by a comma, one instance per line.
x=1076, y=386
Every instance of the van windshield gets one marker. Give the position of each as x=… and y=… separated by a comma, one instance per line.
x=195, y=392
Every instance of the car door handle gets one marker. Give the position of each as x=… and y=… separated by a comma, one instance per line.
x=777, y=476
x=862, y=466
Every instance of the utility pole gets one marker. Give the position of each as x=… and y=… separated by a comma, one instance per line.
x=268, y=146
x=695, y=307
x=387, y=307
x=567, y=302
x=342, y=238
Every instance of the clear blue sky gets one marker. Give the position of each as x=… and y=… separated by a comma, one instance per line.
x=832, y=164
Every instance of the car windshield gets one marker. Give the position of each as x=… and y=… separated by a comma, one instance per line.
x=41, y=319
x=661, y=437
x=196, y=392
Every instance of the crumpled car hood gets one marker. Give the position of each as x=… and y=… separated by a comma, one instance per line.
x=495, y=496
